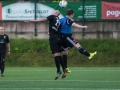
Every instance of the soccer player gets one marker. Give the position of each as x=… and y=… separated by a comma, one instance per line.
x=4, y=42
x=54, y=40
x=66, y=34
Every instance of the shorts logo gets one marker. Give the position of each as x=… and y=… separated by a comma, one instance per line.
x=74, y=41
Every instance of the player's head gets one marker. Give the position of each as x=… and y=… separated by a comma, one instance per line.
x=2, y=30
x=56, y=13
x=70, y=13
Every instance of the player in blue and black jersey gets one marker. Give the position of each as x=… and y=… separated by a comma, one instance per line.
x=66, y=35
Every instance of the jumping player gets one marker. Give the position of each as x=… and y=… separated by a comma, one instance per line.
x=66, y=35
x=54, y=40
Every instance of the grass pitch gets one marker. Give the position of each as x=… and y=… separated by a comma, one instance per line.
x=42, y=78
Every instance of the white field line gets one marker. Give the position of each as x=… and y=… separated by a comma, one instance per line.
x=71, y=70
x=88, y=81
x=55, y=89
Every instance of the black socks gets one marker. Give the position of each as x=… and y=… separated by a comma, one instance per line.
x=62, y=63
x=57, y=62
x=83, y=51
x=65, y=60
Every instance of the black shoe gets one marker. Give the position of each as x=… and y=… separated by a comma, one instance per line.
x=58, y=74
x=64, y=73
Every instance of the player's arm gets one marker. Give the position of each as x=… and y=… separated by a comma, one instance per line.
x=39, y=20
x=79, y=26
x=8, y=46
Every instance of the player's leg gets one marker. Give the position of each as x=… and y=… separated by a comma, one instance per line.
x=61, y=59
x=63, y=67
x=83, y=51
x=66, y=48
x=55, y=51
x=60, y=47
x=2, y=63
x=72, y=42
x=53, y=47
x=65, y=54
x=57, y=63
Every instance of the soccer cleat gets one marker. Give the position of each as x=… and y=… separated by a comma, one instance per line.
x=68, y=70
x=58, y=74
x=92, y=55
x=2, y=75
x=64, y=73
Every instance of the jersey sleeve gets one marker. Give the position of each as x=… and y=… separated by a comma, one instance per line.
x=7, y=39
x=69, y=22
x=49, y=17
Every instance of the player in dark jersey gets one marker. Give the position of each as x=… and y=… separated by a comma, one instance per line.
x=4, y=42
x=54, y=40
x=66, y=35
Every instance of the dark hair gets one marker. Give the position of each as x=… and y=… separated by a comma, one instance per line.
x=70, y=12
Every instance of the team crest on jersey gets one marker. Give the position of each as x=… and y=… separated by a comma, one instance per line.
x=4, y=37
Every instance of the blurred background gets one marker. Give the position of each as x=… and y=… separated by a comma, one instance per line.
x=101, y=16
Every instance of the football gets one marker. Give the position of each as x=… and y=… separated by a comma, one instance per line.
x=63, y=3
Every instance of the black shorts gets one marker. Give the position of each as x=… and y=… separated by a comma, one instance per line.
x=55, y=44
x=68, y=41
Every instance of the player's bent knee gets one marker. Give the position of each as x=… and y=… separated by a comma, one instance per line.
x=65, y=52
x=77, y=45
x=56, y=54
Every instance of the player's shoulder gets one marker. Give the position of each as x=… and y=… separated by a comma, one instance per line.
x=62, y=19
x=50, y=17
x=5, y=35
x=69, y=19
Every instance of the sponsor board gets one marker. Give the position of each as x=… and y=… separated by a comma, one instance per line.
x=25, y=11
x=110, y=10
x=92, y=10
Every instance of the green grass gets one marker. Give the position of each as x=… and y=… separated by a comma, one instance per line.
x=42, y=78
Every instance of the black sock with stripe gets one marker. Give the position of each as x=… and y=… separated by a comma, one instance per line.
x=65, y=59
x=62, y=63
x=83, y=51
x=57, y=62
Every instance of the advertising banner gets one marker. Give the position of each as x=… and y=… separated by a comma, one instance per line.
x=92, y=10
x=26, y=10
x=110, y=10
x=0, y=11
